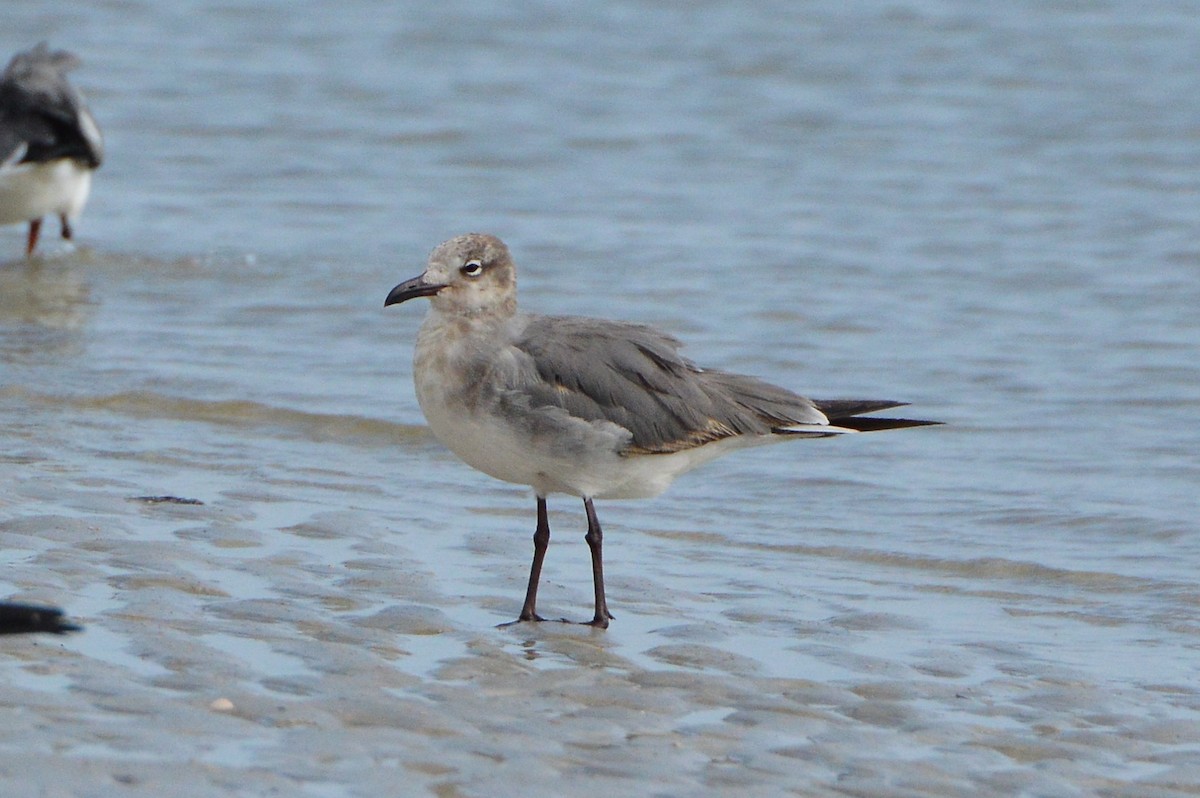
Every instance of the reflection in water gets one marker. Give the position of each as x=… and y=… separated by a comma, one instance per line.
x=43, y=303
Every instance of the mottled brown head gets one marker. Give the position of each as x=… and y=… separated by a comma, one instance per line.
x=469, y=275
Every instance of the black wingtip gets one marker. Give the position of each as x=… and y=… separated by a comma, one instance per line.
x=848, y=413
x=18, y=619
x=845, y=408
x=873, y=424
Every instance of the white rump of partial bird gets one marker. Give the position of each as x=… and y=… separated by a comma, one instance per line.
x=49, y=142
x=588, y=407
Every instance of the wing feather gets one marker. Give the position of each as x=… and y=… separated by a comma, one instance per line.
x=41, y=109
x=633, y=376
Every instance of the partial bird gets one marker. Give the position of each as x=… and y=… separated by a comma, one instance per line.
x=18, y=619
x=49, y=142
x=588, y=407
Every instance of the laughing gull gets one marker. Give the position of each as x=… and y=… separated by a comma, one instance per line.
x=588, y=407
x=49, y=143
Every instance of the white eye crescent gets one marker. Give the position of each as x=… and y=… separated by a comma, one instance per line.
x=472, y=268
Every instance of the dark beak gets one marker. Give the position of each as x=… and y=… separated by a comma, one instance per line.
x=411, y=289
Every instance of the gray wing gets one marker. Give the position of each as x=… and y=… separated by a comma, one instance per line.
x=633, y=376
x=43, y=113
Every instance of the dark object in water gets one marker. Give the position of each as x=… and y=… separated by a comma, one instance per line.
x=18, y=619
x=165, y=500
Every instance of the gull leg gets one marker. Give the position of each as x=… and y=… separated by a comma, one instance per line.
x=595, y=538
x=35, y=227
x=67, y=233
x=541, y=542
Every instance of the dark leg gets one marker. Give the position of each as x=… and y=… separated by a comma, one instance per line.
x=595, y=538
x=67, y=233
x=35, y=227
x=541, y=542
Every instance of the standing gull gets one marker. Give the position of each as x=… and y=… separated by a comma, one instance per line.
x=592, y=408
x=49, y=143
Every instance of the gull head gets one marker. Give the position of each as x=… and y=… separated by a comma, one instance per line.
x=41, y=70
x=470, y=275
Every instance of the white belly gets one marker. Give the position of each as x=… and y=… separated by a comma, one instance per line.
x=583, y=463
x=30, y=191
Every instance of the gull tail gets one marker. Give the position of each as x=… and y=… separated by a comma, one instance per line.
x=847, y=414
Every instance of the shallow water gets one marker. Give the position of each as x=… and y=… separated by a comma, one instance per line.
x=989, y=212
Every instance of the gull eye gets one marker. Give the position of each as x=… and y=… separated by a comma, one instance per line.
x=472, y=268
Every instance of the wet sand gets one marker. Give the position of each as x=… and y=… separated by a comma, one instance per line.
x=305, y=630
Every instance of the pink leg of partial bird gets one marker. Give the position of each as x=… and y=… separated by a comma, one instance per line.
x=35, y=227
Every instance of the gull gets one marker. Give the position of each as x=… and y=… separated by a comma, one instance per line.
x=49, y=142
x=588, y=407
